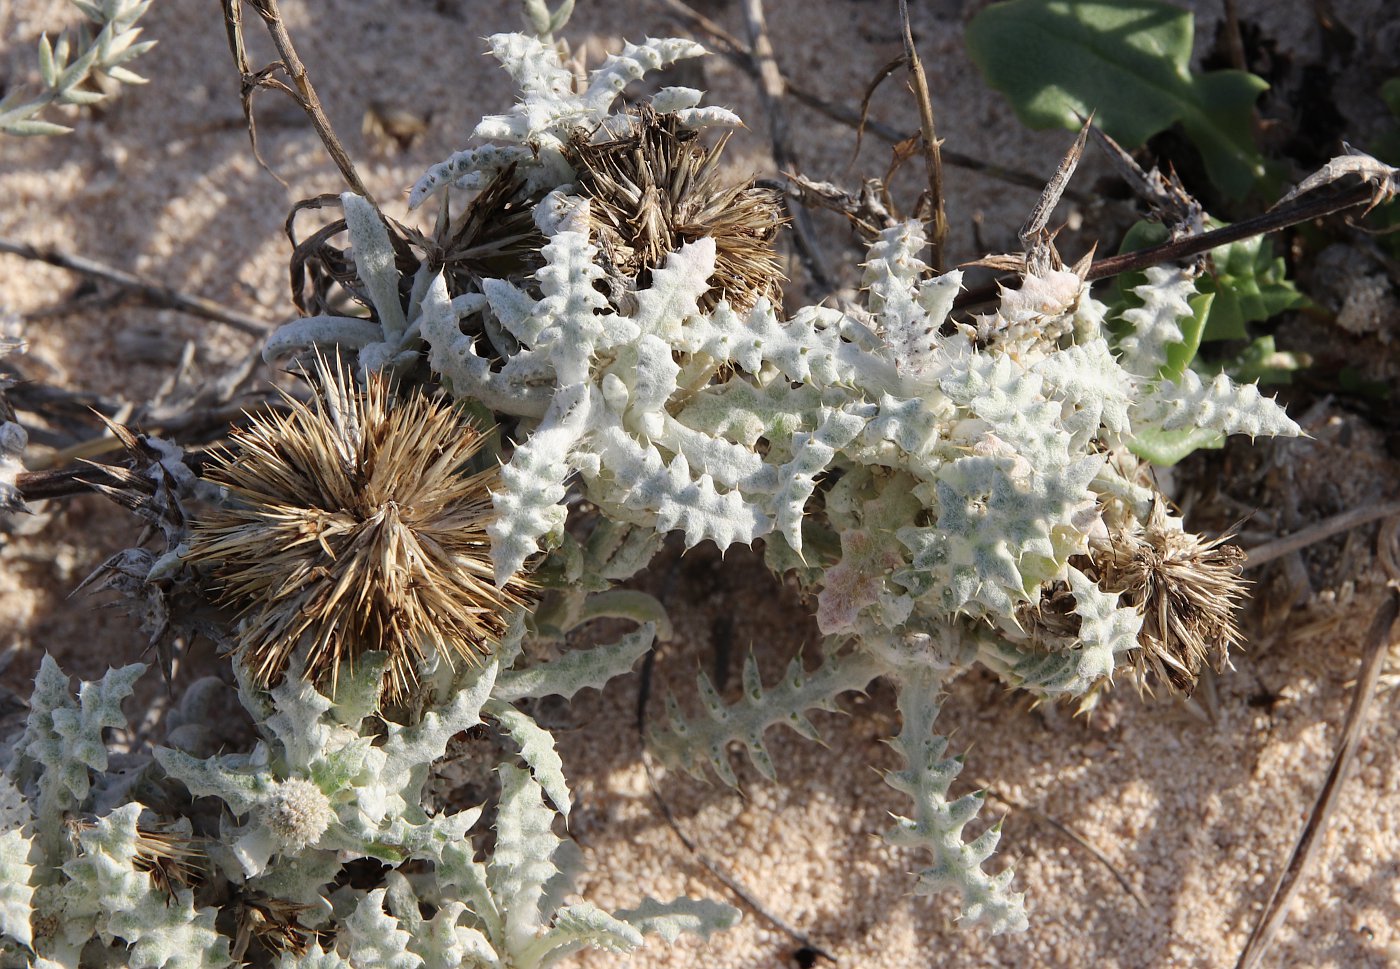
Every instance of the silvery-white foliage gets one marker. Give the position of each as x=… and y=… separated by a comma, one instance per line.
x=554, y=105
x=964, y=464
x=930, y=480
x=328, y=782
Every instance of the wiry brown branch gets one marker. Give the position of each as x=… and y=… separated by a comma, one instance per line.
x=933, y=159
x=1305, y=209
x=148, y=289
x=300, y=90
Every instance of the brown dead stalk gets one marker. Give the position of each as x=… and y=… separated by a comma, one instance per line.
x=933, y=158
x=300, y=90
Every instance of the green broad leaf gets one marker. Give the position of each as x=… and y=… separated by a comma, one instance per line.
x=1263, y=363
x=1165, y=448
x=1250, y=284
x=1128, y=63
x=1180, y=355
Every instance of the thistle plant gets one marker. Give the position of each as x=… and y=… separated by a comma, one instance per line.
x=951, y=491
x=127, y=879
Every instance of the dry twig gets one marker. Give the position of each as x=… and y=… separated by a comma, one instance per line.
x=1280, y=217
x=147, y=289
x=933, y=159
x=1279, y=547
x=300, y=90
x=1304, y=850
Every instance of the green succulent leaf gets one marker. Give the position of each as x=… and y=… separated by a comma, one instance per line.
x=1250, y=284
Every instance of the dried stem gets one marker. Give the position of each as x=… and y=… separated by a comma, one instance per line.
x=1304, y=209
x=771, y=88
x=1304, y=850
x=933, y=159
x=301, y=90
x=152, y=291
x=1279, y=547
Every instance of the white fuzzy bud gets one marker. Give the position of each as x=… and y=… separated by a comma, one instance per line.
x=297, y=813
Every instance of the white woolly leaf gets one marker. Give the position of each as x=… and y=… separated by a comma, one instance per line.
x=64, y=737
x=374, y=263
x=704, y=742
x=103, y=881
x=313, y=958
x=467, y=170
x=1221, y=406
x=577, y=669
x=16, y=887
x=537, y=750
x=521, y=864
x=937, y=824
x=375, y=940
x=586, y=925
x=533, y=483
x=1107, y=631
x=1155, y=324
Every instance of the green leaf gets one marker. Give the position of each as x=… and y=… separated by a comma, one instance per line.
x=1262, y=362
x=1165, y=448
x=1180, y=355
x=1127, y=62
x=1250, y=284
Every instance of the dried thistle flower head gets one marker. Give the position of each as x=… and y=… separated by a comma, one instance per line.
x=170, y=856
x=1187, y=588
x=355, y=528
x=273, y=922
x=656, y=186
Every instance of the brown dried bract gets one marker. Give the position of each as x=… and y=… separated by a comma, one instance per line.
x=656, y=187
x=1187, y=588
x=355, y=527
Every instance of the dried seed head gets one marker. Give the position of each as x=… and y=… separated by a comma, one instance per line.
x=170, y=856
x=356, y=528
x=656, y=187
x=273, y=922
x=1187, y=589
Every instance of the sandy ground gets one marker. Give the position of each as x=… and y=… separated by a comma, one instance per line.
x=1198, y=817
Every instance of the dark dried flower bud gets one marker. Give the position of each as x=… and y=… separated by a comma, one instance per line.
x=1187, y=588
x=656, y=186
